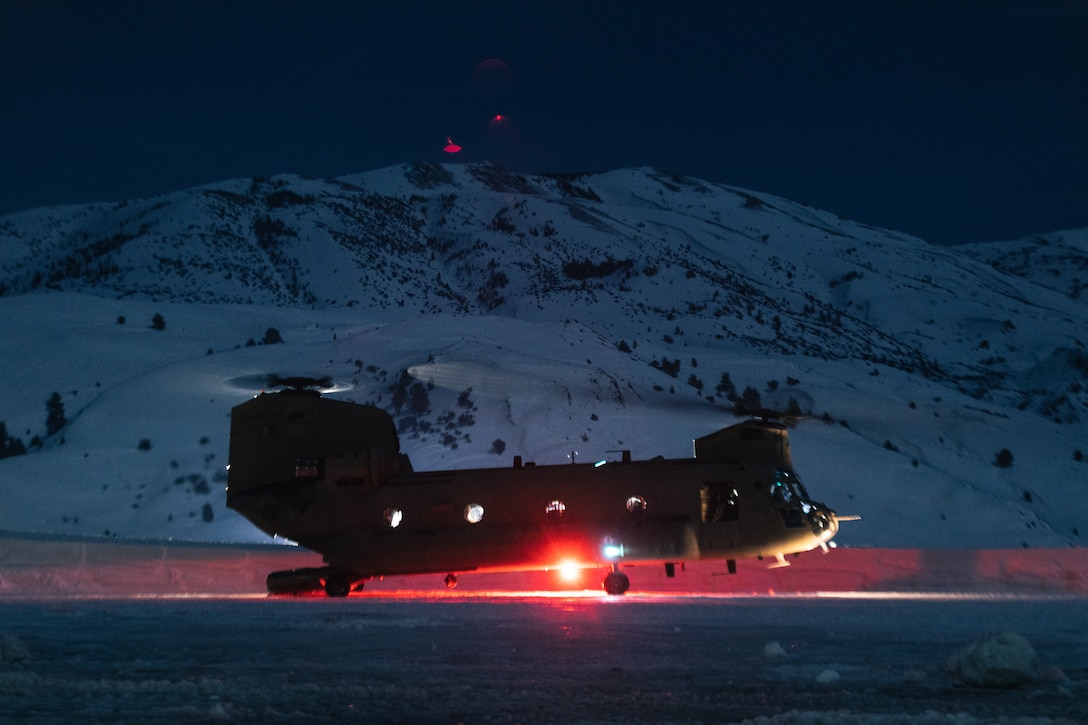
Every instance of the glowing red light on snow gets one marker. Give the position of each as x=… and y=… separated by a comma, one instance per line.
x=569, y=571
x=498, y=118
x=451, y=147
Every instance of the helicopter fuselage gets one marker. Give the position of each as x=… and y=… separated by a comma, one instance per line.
x=330, y=476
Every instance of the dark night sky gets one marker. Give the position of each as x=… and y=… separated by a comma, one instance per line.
x=956, y=121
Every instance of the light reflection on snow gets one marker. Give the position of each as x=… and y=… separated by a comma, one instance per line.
x=499, y=595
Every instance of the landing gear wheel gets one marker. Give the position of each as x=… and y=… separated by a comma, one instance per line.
x=337, y=585
x=616, y=583
x=451, y=581
x=295, y=581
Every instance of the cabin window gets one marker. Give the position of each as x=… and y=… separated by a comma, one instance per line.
x=731, y=512
x=474, y=513
x=555, y=509
x=719, y=502
x=392, y=517
x=636, y=504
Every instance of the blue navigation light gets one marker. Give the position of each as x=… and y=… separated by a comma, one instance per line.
x=613, y=551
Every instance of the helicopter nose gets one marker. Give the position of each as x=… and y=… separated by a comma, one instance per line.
x=824, y=523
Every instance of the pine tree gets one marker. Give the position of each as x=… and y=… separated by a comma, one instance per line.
x=418, y=399
x=750, y=401
x=726, y=388
x=55, y=419
x=10, y=445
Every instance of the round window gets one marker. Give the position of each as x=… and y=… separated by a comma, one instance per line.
x=555, y=509
x=474, y=513
x=392, y=517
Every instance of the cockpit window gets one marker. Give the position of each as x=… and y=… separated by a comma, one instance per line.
x=788, y=487
x=791, y=498
x=800, y=487
x=782, y=492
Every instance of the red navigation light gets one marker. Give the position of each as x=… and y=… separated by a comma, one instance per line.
x=569, y=571
x=451, y=147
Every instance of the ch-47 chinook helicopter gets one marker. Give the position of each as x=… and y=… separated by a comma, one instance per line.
x=330, y=475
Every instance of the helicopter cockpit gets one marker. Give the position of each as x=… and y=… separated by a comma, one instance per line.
x=796, y=508
x=791, y=498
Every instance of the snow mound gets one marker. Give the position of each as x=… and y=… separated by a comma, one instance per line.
x=1003, y=660
x=13, y=650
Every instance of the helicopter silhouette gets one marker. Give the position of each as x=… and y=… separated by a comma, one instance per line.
x=330, y=475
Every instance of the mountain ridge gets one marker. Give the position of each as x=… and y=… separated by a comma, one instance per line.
x=657, y=283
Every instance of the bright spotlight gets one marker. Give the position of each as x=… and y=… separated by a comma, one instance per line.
x=569, y=571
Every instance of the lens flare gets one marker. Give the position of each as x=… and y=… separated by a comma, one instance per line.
x=569, y=571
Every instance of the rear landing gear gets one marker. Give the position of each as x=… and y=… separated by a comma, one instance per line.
x=335, y=582
x=616, y=583
x=337, y=585
x=296, y=581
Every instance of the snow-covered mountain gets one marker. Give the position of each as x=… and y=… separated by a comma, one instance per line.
x=943, y=390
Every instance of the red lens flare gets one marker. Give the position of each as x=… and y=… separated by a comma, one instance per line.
x=570, y=571
x=500, y=126
x=492, y=77
x=451, y=147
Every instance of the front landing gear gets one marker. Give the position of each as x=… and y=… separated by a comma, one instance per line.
x=616, y=583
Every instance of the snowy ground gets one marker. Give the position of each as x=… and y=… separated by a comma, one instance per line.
x=560, y=658
x=112, y=631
